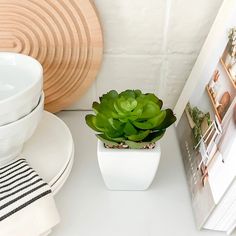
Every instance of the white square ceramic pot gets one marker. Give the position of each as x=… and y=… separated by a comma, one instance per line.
x=128, y=169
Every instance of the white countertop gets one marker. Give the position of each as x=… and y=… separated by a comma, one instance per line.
x=87, y=208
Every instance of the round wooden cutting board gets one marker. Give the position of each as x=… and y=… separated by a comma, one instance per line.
x=65, y=36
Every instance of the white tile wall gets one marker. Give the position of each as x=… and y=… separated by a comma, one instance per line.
x=189, y=23
x=129, y=71
x=150, y=44
x=177, y=69
x=132, y=27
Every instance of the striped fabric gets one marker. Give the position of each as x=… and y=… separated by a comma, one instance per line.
x=19, y=186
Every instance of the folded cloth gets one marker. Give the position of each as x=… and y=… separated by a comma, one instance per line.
x=27, y=207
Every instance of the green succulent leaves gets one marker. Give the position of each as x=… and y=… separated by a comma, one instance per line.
x=131, y=117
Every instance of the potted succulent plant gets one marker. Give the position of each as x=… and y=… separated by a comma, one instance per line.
x=128, y=126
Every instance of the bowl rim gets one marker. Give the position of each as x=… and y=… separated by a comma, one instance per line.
x=38, y=107
x=37, y=80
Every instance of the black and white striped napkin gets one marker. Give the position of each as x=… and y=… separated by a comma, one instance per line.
x=20, y=190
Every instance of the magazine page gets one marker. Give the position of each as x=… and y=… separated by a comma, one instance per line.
x=206, y=129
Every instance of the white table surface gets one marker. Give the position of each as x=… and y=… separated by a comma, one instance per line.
x=87, y=208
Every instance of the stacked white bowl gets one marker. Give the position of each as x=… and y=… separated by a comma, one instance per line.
x=21, y=102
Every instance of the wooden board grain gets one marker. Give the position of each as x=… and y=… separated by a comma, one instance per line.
x=64, y=35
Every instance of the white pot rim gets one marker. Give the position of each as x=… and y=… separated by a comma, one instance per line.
x=102, y=148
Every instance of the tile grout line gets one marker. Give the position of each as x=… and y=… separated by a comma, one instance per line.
x=166, y=26
x=164, y=51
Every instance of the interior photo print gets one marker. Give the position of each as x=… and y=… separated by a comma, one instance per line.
x=206, y=131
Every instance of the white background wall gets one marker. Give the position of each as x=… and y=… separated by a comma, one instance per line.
x=151, y=45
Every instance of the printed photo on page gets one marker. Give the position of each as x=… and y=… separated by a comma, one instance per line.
x=206, y=130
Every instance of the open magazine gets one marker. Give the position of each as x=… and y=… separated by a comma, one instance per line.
x=206, y=128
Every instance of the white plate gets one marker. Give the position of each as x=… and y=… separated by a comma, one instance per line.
x=61, y=181
x=50, y=148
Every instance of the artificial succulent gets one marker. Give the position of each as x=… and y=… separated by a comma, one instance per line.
x=131, y=118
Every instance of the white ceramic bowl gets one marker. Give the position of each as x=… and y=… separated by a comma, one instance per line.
x=21, y=81
x=15, y=134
